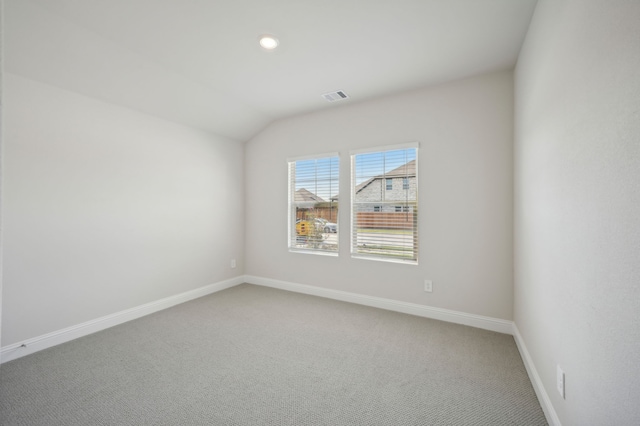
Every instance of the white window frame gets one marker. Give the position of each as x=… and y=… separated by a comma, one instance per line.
x=319, y=242
x=396, y=245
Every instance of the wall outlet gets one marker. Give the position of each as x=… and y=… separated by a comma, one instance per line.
x=560, y=381
x=233, y=263
x=428, y=286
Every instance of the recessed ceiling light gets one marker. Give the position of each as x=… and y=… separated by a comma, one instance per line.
x=268, y=42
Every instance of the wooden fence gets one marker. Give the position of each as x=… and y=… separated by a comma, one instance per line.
x=328, y=213
x=366, y=220
x=381, y=220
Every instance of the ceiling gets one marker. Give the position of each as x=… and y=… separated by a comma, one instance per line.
x=198, y=62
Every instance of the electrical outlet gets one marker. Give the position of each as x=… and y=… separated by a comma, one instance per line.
x=428, y=286
x=560, y=381
x=233, y=263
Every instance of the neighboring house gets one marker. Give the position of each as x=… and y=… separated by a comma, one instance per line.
x=380, y=192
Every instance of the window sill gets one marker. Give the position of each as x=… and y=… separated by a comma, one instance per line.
x=383, y=259
x=316, y=252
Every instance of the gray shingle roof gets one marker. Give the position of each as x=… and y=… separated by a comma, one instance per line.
x=303, y=195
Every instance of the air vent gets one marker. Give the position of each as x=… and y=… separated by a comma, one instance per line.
x=335, y=96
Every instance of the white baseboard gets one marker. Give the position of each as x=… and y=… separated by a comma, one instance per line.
x=39, y=343
x=487, y=323
x=543, y=396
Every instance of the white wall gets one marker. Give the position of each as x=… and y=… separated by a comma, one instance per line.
x=465, y=195
x=577, y=206
x=105, y=209
x=1, y=148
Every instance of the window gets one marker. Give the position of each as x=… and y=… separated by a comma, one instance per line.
x=384, y=217
x=313, y=204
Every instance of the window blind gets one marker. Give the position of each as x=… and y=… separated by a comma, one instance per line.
x=313, y=204
x=384, y=204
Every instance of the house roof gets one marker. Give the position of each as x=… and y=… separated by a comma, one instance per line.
x=303, y=195
x=408, y=169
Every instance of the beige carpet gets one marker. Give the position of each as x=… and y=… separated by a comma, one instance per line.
x=251, y=355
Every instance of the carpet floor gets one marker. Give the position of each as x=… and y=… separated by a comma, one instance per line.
x=253, y=355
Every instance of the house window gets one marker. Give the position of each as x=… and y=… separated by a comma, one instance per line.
x=384, y=222
x=313, y=204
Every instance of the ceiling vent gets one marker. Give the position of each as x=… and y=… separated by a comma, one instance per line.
x=335, y=96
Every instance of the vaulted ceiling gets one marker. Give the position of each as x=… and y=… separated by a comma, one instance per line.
x=198, y=62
